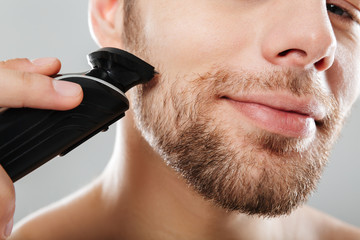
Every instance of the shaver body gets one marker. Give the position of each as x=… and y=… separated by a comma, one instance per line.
x=31, y=137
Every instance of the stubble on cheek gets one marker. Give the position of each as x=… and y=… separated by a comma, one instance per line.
x=256, y=173
x=252, y=172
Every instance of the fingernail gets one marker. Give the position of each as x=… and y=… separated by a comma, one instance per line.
x=43, y=61
x=8, y=228
x=67, y=89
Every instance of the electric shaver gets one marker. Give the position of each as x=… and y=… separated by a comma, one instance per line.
x=31, y=137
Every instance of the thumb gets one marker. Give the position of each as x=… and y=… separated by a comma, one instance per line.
x=7, y=204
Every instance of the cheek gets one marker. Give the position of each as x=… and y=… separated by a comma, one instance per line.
x=345, y=76
x=184, y=39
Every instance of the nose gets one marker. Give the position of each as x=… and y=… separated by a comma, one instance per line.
x=299, y=34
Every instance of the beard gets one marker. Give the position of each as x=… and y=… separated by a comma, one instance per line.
x=251, y=171
x=238, y=168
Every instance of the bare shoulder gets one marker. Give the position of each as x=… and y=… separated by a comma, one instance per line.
x=328, y=227
x=66, y=219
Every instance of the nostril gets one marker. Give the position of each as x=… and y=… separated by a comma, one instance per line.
x=297, y=52
x=323, y=64
x=320, y=64
x=284, y=53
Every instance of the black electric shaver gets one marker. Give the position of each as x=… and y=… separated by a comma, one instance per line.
x=31, y=137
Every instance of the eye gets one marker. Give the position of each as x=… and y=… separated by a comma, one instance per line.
x=338, y=11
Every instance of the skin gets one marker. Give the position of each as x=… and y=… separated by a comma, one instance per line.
x=138, y=196
x=356, y=3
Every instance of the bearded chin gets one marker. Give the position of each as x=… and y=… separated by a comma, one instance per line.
x=257, y=180
x=257, y=173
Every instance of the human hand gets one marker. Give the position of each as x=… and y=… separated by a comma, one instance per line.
x=7, y=204
x=25, y=83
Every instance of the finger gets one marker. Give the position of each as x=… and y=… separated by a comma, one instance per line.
x=7, y=204
x=24, y=89
x=45, y=66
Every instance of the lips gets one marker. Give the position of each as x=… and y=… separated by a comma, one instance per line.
x=279, y=113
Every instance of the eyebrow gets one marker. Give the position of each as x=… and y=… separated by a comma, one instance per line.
x=356, y=3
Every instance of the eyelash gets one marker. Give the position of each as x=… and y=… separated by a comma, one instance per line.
x=349, y=15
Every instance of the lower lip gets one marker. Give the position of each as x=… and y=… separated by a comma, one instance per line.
x=289, y=124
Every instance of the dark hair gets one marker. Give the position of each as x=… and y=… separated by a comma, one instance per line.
x=128, y=4
x=131, y=24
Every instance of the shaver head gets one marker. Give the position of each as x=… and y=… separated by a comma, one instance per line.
x=123, y=69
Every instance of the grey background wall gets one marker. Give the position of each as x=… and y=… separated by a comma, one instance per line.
x=47, y=28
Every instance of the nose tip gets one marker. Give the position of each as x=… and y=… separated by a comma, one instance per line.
x=309, y=43
x=320, y=58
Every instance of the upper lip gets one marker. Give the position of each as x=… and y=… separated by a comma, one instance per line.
x=307, y=106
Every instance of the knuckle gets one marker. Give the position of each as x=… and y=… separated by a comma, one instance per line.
x=26, y=82
x=3, y=64
x=26, y=79
x=11, y=63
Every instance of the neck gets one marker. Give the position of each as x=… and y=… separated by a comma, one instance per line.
x=145, y=195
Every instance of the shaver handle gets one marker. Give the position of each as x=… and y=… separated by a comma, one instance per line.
x=31, y=137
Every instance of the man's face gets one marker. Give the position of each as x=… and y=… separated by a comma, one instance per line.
x=251, y=95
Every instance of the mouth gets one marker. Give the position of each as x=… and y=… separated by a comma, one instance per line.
x=279, y=113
